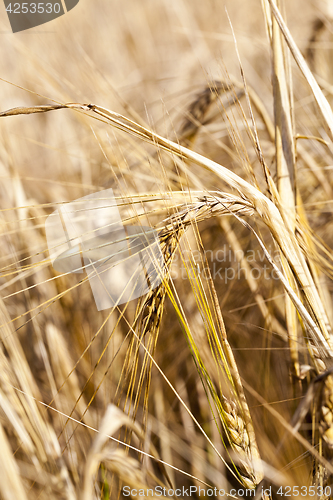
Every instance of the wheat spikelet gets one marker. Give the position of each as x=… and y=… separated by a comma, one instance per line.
x=209, y=206
x=153, y=309
x=240, y=443
x=197, y=111
x=148, y=319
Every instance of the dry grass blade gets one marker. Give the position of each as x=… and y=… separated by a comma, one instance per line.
x=322, y=102
x=285, y=169
x=284, y=134
x=10, y=480
x=32, y=110
x=116, y=460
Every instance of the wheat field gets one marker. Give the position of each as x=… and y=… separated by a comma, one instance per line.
x=209, y=126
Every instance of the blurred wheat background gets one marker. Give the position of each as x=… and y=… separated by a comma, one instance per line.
x=220, y=376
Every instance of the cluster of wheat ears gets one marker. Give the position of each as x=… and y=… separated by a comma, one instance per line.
x=203, y=382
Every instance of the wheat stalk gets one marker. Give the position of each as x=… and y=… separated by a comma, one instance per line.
x=232, y=410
